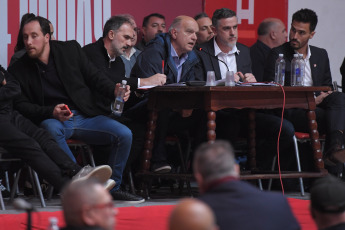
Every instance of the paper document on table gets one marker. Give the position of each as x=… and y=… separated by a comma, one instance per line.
x=258, y=84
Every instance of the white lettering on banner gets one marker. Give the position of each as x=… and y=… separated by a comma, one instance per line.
x=72, y=20
x=245, y=14
x=5, y=38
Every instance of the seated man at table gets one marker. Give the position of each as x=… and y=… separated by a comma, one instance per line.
x=330, y=111
x=237, y=204
x=271, y=33
x=172, y=54
x=205, y=28
x=221, y=53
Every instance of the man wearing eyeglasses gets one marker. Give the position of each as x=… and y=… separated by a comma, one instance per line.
x=87, y=205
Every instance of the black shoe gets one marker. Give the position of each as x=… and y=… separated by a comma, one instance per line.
x=120, y=195
x=160, y=167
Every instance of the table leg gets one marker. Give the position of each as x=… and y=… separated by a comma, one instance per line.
x=314, y=140
x=150, y=136
x=211, y=126
x=251, y=140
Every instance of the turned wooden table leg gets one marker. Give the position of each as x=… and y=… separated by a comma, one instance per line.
x=211, y=126
x=150, y=136
x=314, y=139
x=251, y=140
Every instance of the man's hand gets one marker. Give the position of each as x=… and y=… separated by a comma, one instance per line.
x=3, y=82
x=322, y=96
x=157, y=79
x=248, y=77
x=127, y=92
x=59, y=113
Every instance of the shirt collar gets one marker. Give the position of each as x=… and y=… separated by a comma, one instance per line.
x=218, y=51
x=111, y=59
x=175, y=56
x=133, y=50
x=308, y=53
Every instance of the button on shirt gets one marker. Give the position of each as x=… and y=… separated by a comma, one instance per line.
x=308, y=80
x=178, y=61
x=229, y=58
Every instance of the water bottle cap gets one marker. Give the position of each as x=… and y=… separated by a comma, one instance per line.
x=281, y=55
x=53, y=220
x=124, y=82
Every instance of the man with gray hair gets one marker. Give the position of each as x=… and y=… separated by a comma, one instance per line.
x=271, y=33
x=237, y=204
x=172, y=54
x=87, y=205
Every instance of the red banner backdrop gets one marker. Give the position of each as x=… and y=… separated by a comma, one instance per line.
x=250, y=13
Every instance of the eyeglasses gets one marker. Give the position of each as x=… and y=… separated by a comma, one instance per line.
x=109, y=205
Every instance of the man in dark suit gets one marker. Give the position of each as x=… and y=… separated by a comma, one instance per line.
x=271, y=33
x=213, y=55
x=330, y=111
x=53, y=74
x=237, y=204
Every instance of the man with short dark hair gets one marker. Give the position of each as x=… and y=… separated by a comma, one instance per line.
x=330, y=111
x=221, y=54
x=54, y=74
x=205, y=32
x=153, y=24
x=87, y=205
x=271, y=33
x=327, y=203
x=235, y=203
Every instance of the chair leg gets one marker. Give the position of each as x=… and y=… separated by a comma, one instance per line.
x=38, y=187
x=1, y=200
x=273, y=167
x=298, y=164
x=90, y=155
x=260, y=184
x=131, y=183
x=15, y=185
x=7, y=181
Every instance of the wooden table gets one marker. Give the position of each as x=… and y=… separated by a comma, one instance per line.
x=216, y=98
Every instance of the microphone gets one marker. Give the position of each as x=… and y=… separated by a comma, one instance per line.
x=21, y=204
x=211, y=55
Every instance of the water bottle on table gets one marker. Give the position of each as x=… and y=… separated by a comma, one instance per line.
x=117, y=105
x=280, y=70
x=295, y=70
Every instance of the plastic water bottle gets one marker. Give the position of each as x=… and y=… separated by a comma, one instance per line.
x=295, y=70
x=300, y=81
x=280, y=70
x=117, y=105
x=53, y=224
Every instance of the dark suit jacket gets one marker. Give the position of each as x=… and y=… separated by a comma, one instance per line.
x=209, y=63
x=319, y=64
x=258, y=54
x=239, y=205
x=78, y=75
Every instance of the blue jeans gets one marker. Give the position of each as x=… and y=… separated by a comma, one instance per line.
x=99, y=130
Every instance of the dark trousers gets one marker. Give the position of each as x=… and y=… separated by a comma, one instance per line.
x=22, y=139
x=330, y=115
x=233, y=123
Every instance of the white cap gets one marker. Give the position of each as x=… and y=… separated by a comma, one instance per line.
x=124, y=82
x=281, y=55
x=295, y=55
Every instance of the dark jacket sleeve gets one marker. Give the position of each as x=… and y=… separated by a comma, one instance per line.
x=149, y=62
x=270, y=65
x=11, y=89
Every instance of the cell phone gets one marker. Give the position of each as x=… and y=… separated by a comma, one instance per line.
x=196, y=83
x=68, y=111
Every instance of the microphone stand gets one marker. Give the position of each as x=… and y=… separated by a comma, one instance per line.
x=29, y=211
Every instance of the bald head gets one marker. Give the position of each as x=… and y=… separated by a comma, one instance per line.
x=88, y=203
x=272, y=32
x=192, y=214
x=183, y=34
